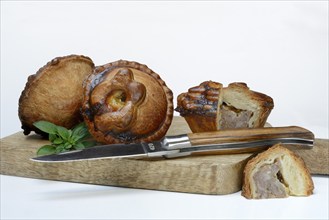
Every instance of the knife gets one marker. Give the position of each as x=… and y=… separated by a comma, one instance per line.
x=218, y=142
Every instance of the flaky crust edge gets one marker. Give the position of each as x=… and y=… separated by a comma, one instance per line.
x=264, y=101
x=276, y=149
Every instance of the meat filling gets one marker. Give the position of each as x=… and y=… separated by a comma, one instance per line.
x=234, y=118
x=269, y=181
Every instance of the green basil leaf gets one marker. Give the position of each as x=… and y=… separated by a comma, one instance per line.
x=77, y=129
x=52, y=137
x=46, y=150
x=63, y=139
x=63, y=132
x=68, y=146
x=80, y=132
x=89, y=143
x=79, y=146
x=78, y=138
x=60, y=148
x=46, y=126
x=58, y=140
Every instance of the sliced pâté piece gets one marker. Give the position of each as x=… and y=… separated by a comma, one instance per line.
x=276, y=173
x=243, y=108
x=126, y=102
x=55, y=93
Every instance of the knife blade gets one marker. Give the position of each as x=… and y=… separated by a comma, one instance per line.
x=217, y=142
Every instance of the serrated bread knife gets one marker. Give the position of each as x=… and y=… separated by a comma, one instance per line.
x=217, y=142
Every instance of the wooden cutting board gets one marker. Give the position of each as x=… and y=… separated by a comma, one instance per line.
x=215, y=174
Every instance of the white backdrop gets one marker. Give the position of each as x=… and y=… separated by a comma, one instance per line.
x=278, y=48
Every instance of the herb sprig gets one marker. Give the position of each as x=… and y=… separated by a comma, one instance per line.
x=63, y=139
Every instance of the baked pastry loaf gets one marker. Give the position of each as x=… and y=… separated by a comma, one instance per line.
x=210, y=106
x=55, y=93
x=126, y=102
x=276, y=173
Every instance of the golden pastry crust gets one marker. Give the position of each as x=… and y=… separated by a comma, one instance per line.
x=199, y=106
x=211, y=107
x=276, y=173
x=240, y=97
x=126, y=102
x=54, y=93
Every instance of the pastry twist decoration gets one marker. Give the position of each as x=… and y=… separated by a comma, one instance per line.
x=115, y=102
x=202, y=99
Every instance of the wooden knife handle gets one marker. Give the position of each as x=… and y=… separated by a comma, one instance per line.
x=248, y=135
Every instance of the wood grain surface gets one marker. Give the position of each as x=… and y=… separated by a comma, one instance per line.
x=211, y=174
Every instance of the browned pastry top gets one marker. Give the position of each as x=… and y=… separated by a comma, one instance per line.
x=202, y=99
x=126, y=102
x=54, y=93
